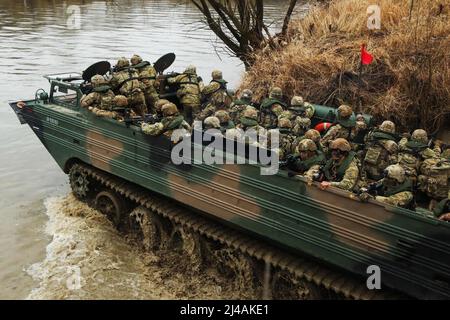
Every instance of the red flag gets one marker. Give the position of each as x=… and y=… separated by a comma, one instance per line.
x=366, y=58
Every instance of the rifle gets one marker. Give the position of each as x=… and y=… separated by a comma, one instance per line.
x=152, y=118
x=373, y=189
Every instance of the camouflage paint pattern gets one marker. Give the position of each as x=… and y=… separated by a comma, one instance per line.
x=332, y=226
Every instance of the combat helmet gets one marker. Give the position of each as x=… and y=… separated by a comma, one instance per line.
x=217, y=75
x=341, y=144
x=247, y=94
x=160, y=103
x=223, y=116
x=345, y=111
x=420, y=135
x=307, y=145
x=276, y=93
x=388, y=126
x=284, y=123
x=136, y=59
x=120, y=101
x=344, y=116
x=212, y=122
x=297, y=101
x=122, y=63
x=313, y=134
x=395, y=172
x=97, y=81
x=250, y=113
x=304, y=123
x=169, y=109
x=191, y=69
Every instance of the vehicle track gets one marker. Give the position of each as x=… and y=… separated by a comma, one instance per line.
x=339, y=283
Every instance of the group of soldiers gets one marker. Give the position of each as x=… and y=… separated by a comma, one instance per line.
x=400, y=170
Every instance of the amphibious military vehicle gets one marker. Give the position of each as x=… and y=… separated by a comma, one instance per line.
x=326, y=240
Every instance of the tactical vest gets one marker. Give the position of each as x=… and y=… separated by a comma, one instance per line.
x=338, y=173
x=125, y=81
x=268, y=118
x=405, y=186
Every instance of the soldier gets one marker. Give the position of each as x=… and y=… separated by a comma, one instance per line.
x=172, y=120
x=143, y=66
x=225, y=120
x=211, y=123
x=272, y=108
x=345, y=127
x=238, y=106
x=308, y=160
x=413, y=151
x=215, y=93
x=149, y=90
x=158, y=106
x=381, y=151
x=125, y=80
x=188, y=92
x=249, y=121
x=341, y=170
x=286, y=138
x=101, y=96
x=394, y=189
x=314, y=135
x=300, y=114
x=434, y=179
x=442, y=210
x=119, y=101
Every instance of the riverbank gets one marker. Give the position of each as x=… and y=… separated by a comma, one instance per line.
x=407, y=82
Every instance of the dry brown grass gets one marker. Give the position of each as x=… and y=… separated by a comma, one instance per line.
x=409, y=81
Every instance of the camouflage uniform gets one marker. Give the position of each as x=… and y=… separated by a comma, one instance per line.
x=434, y=178
x=412, y=152
x=172, y=120
x=396, y=188
x=101, y=96
x=343, y=173
x=149, y=90
x=286, y=138
x=188, y=92
x=443, y=208
x=300, y=114
x=345, y=127
x=119, y=101
x=125, y=80
x=147, y=77
x=249, y=121
x=308, y=160
x=238, y=106
x=381, y=151
x=271, y=109
x=225, y=120
x=216, y=95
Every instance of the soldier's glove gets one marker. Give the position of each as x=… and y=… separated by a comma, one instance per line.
x=445, y=217
x=365, y=196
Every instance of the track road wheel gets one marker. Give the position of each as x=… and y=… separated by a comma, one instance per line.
x=286, y=286
x=79, y=182
x=188, y=243
x=153, y=228
x=238, y=266
x=111, y=204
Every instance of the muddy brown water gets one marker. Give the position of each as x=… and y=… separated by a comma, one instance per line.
x=47, y=237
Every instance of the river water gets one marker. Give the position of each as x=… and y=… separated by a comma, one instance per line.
x=46, y=237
